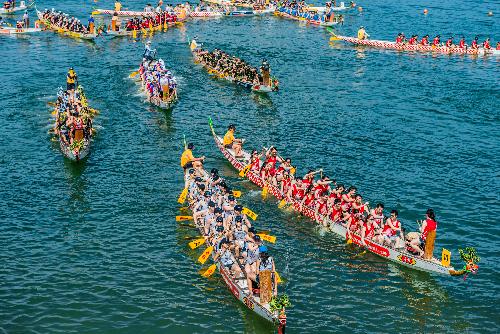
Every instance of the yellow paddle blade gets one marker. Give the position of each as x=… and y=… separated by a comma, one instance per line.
x=267, y=237
x=196, y=243
x=293, y=170
x=349, y=241
x=209, y=271
x=52, y=104
x=249, y=213
x=264, y=192
x=237, y=193
x=282, y=204
x=204, y=256
x=95, y=12
x=182, y=196
x=245, y=170
x=54, y=112
x=334, y=38
x=133, y=74
x=183, y=218
x=278, y=278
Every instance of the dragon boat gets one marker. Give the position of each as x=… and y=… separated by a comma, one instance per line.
x=22, y=7
x=154, y=99
x=16, y=31
x=399, y=256
x=181, y=17
x=64, y=32
x=79, y=149
x=239, y=288
x=414, y=47
x=310, y=16
x=259, y=88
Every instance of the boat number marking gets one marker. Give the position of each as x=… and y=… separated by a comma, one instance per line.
x=248, y=303
x=407, y=260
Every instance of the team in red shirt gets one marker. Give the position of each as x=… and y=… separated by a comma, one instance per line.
x=413, y=40
x=333, y=204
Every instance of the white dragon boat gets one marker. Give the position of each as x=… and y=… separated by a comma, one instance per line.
x=415, y=47
x=400, y=256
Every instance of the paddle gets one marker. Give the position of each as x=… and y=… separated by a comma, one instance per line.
x=278, y=278
x=245, y=170
x=267, y=237
x=196, y=243
x=204, y=256
x=264, y=192
x=182, y=196
x=183, y=218
x=237, y=193
x=133, y=74
x=209, y=272
x=282, y=204
x=249, y=213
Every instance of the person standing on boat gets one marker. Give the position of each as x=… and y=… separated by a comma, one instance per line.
x=189, y=161
x=266, y=271
x=362, y=33
x=26, y=20
x=231, y=142
x=428, y=225
x=149, y=54
x=71, y=79
x=91, y=24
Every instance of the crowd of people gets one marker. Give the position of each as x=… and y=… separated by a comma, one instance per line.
x=64, y=21
x=220, y=218
x=158, y=20
x=331, y=202
x=73, y=115
x=227, y=66
x=158, y=82
x=450, y=43
x=300, y=9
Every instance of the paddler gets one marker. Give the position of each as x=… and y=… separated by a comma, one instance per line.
x=118, y=6
x=449, y=42
x=2, y=22
x=474, y=44
x=436, y=41
x=413, y=40
x=362, y=33
x=462, y=44
x=425, y=40
x=231, y=142
x=498, y=43
x=71, y=79
x=400, y=38
x=428, y=225
x=189, y=161
x=486, y=44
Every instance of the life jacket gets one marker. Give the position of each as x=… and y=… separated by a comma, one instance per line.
x=449, y=43
x=369, y=232
x=461, y=44
x=473, y=44
x=486, y=45
x=424, y=41
x=430, y=226
x=435, y=41
x=389, y=231
x=399, y=39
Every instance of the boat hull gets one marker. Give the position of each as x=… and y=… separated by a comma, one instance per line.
x=14, y=10
x=74, y=155
x=303, y=19
x=419, y=48
x=401, y=257
x=64, y=32
x=14, y=31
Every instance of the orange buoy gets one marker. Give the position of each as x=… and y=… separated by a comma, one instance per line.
x=490, y=13
x=425, y=11
x=360, y=9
